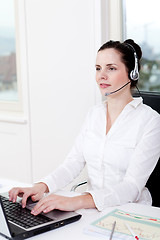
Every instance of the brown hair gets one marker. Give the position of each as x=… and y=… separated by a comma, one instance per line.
x=126, y=49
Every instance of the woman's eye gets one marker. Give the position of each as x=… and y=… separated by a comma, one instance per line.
x=98, y=68
x=112, y=68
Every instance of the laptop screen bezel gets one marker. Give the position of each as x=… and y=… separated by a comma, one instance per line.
x=6, y=221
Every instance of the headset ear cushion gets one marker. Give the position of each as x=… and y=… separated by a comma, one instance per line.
x=134, y=75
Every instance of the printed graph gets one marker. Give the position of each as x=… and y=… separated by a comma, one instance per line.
x=145, y=227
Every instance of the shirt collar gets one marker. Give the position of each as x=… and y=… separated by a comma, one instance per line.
x=136, y=102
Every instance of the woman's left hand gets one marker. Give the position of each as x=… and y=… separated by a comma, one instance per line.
x=54, y=201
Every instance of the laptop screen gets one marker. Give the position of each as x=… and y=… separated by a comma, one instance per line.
x=4, y=229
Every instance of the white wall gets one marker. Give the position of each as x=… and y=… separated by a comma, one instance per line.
x=61, y=42
x=15, y=138
x=61, y=79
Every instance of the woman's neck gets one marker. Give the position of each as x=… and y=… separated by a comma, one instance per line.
x=114, y=108
x=117, y=104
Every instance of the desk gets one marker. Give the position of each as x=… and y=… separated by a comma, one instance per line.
x=74, y=231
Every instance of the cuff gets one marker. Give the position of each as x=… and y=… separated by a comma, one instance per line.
x=103, y=200
x=49, y=181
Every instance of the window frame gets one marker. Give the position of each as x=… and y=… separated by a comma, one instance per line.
x=115, y=20
x=18, y=112
x=15, y=106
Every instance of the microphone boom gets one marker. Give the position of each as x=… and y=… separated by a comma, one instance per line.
x=107, y=94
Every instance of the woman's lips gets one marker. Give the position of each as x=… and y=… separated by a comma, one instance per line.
x=104, y=85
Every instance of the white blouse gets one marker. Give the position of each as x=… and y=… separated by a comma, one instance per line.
x=119, y=163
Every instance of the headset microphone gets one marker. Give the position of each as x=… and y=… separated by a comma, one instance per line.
x=107, y=94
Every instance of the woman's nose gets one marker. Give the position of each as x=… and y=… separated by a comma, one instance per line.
x=104, y=75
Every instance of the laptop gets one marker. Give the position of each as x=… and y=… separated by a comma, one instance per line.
x=18, y=223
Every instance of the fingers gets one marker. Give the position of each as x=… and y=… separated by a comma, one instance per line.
x=52, y=202
x=24, y=199
x=21, y=192
x=44, y=205
x=36, y=192
x=14, y=192
x=37, y=196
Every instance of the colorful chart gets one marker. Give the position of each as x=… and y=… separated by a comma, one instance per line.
x=147, y=228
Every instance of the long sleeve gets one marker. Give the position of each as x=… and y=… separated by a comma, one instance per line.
x=119, y=163
x=142, y=163
x=66, y=172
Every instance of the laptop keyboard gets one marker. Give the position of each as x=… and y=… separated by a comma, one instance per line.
x=22, y=216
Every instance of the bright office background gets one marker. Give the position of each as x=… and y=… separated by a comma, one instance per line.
x=47, y=74
x=141, y=23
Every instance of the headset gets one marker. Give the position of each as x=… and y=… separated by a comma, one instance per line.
x=134, y=74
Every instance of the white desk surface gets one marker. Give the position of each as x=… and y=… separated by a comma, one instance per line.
x=74, y=231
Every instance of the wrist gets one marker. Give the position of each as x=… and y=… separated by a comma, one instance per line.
x=84, y=201
x=43, y=187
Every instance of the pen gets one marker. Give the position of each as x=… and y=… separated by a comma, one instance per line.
x=113, y=228
x=132, y=232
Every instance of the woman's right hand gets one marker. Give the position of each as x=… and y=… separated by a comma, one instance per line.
x=36, y=193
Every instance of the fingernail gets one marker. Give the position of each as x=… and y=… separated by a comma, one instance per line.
x=23, y=206
x=34, y=212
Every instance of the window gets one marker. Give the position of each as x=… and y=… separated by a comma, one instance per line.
x=8, y=72
x=12, y=44
x=141, y=23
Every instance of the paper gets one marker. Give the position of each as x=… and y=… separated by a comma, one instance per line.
x=147, y=228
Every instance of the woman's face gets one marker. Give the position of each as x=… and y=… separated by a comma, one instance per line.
x=111, y=73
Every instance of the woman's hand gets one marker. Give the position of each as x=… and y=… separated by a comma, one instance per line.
x=36, y=193
x=53, y=201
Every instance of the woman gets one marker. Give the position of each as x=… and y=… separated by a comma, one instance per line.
x=119, y=142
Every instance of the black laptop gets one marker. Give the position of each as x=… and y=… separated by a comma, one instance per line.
x=18, y=223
